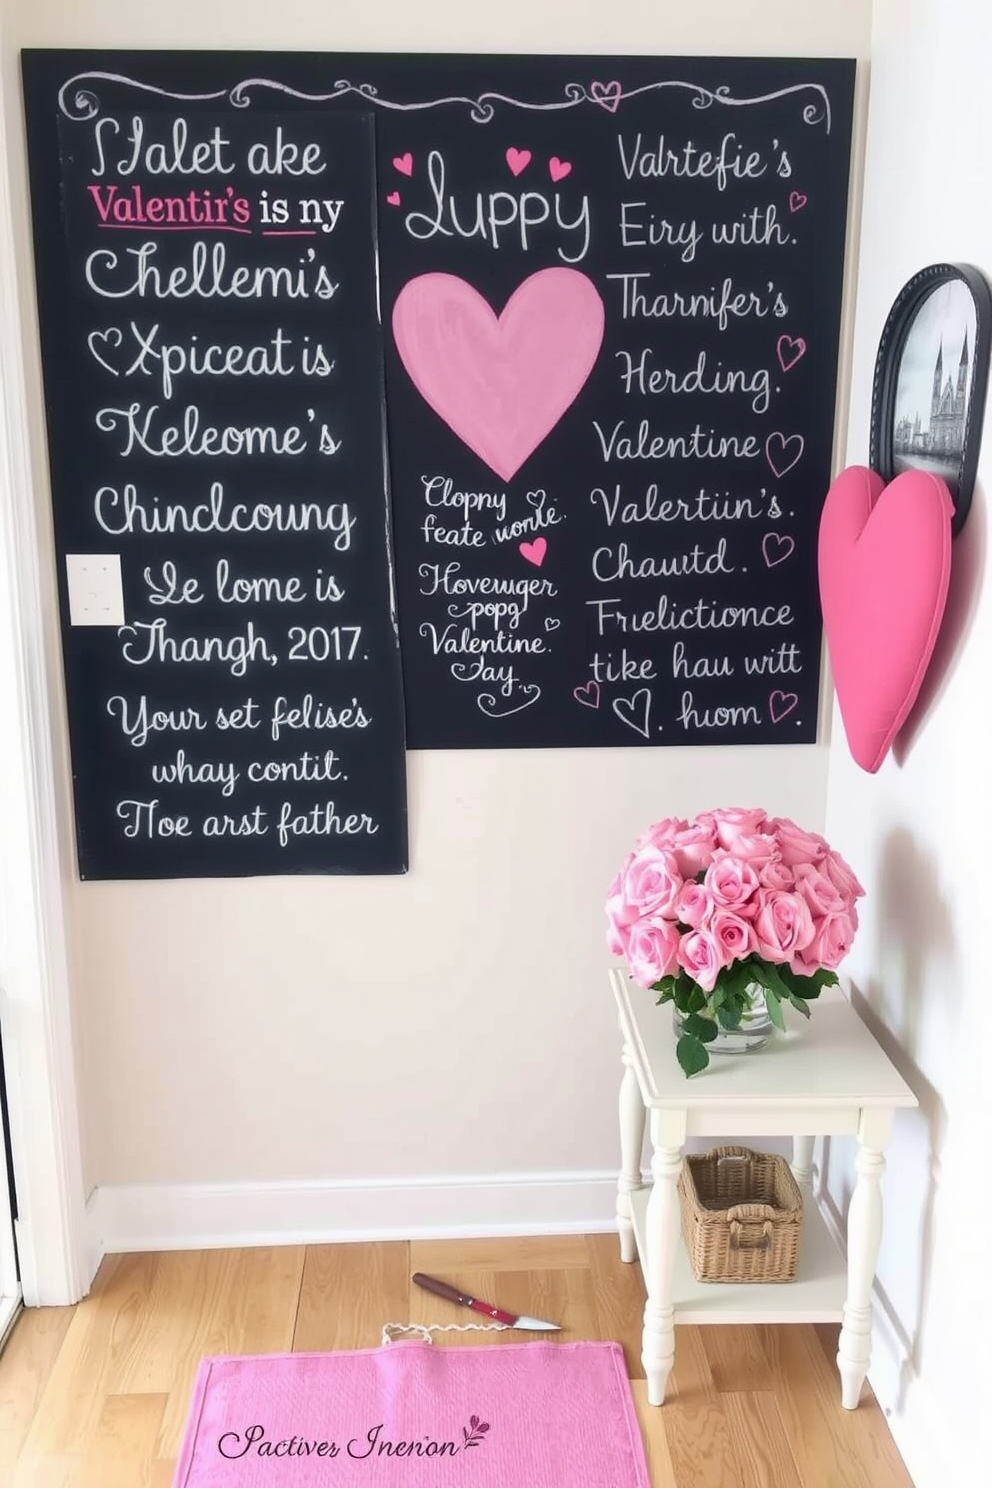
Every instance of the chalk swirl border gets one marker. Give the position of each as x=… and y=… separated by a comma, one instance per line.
x=78, y=101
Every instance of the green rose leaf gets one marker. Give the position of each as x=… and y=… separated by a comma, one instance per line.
x=800, y=1003
x=775, y=1010
x=775, y=983
x=703, y=1029
x=682, y=996
x=729, y=1014
x=810, y=987
x=691, y=1055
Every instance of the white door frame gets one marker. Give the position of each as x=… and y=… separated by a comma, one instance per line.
x=10, y=1283
x=35, y=1000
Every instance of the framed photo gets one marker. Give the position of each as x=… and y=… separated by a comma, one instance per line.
x=931, y=376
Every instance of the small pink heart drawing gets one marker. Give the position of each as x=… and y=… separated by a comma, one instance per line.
x=517, y=160
x=782, y=453
x=559, y=169
x=781, y=704
x=588, y=695
x=534, y=551
x=774, y=542
x=797, y=200
x=393, y=198
x=791, y=349
x=607, y=95
x=404, y=164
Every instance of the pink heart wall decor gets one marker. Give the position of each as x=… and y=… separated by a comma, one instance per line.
x=884, y=559
x=500, y=383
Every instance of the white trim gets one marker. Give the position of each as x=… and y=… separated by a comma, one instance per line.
x=10, y=1285
x=10, y=1310
x=203, y=1216
x=918, y=1428
x=34, y=981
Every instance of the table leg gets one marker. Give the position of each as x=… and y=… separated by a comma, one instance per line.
x=802, y=1163
x=661, y=1247
x=864, y=1236
x=632, y=1116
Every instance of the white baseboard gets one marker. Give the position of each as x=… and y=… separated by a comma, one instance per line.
x=207, y=1216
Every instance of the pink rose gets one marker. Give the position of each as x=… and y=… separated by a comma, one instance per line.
x=735, y=821
x=652, y=882
x=652, y=951
x=734, y=937
x=823, y=897
x=797, y=845
x=660, y=833
x=757, y=849
x=701, y=959
x=783, y=926
x=842, y=874
x=730, y=882
x=693, y=847
x=830, y=944
x=618, y=908
x=694, y=905
x=776, y=875
x=617, y=932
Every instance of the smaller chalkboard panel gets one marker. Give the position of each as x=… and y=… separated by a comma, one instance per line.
x=214, y=377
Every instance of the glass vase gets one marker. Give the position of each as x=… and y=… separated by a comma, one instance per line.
x=754, y=1031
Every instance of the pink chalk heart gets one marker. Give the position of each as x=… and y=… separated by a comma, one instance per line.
x=517, y=160
x=534, y=551
x=884, y=560
x=588, y=695
x=782, y=453
x=607, y=95
x=559, y=168
x=776, y=548
x=500, y=383
x=791, y=349
x=797, y=200
x=393, y=198
x=404, y=164
x=781, y=704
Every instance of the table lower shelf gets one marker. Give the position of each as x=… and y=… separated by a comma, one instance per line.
x=816, y=1296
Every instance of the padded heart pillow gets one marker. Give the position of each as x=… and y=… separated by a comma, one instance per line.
x=884, y=558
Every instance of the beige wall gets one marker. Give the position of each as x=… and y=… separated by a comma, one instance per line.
x=314, y=1029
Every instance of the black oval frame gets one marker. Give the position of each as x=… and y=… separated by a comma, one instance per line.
x=895, y=333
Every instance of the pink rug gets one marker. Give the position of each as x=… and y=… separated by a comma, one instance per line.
x=416, y=1415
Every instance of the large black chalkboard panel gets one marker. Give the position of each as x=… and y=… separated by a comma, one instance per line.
x=611, y=293
x=215, y=398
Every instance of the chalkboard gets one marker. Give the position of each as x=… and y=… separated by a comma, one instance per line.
x=612, y=292
x=215, y=389
x=610, y=295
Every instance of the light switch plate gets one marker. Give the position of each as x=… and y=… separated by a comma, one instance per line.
x=96, y=591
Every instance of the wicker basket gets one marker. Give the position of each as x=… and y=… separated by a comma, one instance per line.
x=742, y=1215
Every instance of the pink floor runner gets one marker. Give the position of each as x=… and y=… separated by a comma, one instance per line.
x=416, y=1415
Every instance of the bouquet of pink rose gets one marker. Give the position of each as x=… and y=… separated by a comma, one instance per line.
x=703, y=910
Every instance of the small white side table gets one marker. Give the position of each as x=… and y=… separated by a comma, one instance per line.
x=827, y=1077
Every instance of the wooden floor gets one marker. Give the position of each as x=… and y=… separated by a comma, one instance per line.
x=96, y=1396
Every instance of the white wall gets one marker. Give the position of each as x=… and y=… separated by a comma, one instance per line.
x=918, y=829
x=441, y=1023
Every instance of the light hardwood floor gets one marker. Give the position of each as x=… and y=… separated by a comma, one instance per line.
x=96, y=1396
